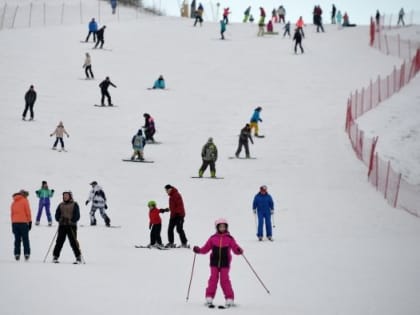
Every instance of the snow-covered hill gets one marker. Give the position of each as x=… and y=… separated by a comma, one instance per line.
x=338, y=249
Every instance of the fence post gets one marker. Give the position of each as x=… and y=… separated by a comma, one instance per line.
x=356, y=98
x=379, y=90
x=30, y=14
x=377, y=170
x=409, y=49
x=362, y=100
x=372, y=155
x=402, y=75
x=3, y=16
x=394, y=80
x=371, y=94
x=386, y=44
x=14, y=16
x=399, y=45
x=387, y=87
x=398, y=191
x=387, y=179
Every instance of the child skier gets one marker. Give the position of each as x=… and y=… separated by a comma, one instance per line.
x=222, y=29
x=138, y=142
x=255, y=118
x=98, y=198
x=159, y=83
x=155, y=225
x=220, y=244
x=44, y=194
x=59, y=133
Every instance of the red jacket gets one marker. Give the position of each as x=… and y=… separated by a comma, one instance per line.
x=176, y=204
x=20, y=210
x=154, y=216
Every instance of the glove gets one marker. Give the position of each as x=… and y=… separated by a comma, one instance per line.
x=150, y=226
x=52, y=190
x=196, y=249
x=86, y=203
x=51, y=135
x=164, y=210
x=30, y=225
x=240, y=251
x=106, y=207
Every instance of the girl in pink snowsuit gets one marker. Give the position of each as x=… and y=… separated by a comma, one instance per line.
x=220, y=244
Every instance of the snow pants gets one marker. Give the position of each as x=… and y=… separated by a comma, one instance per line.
x=21, y=233
x=223, y=274
x=204, y=167
x=56, y=142
x=155, y=234
x=44, y=203
x=106, y=94
x=264, y=217
x=88, y=70
x=30, y=107
x=69, y=231
x=177, y=222
x=254, y=125
x=101, y=211
x=245, y=145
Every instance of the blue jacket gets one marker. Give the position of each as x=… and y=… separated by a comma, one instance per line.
x=263, y=202
x=159, y=84
x=93, y=26
x=256, y=116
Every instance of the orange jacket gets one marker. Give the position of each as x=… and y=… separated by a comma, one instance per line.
x=300, y=23
x=20, y=210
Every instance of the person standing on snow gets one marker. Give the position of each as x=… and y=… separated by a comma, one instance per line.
x=20, y=212
x=226, y=13
x=401, y=17
x=155, y=224
x=30, y=98
x=333, y=13
x=177, y=216
x=159, y=83
x=44, y=194
x=138, y=142
x=59, y=133
x=100, y=37
x=255, y=118
x=67, y=215
x=199, y=15
x=98, y=198
x=113, y=6
x=209, y=157
x=261, y=22
x=244, y=136
x=246, y=14
x=287, y=29
x=222, y=29
x=104, y=85
x=149, y=127
x=297, y=37
x=263, y=207
x=93, y=28
x=282, y=14
x=299, y=25
x=220, y=244
x=88, y=67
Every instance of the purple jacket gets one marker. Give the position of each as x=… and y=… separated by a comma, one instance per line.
x=221, y=245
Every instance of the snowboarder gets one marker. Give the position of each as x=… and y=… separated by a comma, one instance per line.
x=155, y=224
x=220, y=244
x=244, y=136
x=297, y=37
x=21, y=223
x=287, y=29
x=30, y=98
x=246, y=14
x=226, y=13
x=149, y=127
x=401, y=17
x=209, y=156
x=100, y=37
x=138, y=142
x=159, y=83
x=199, y=15
x=44, y=194
x=104, y=91
x=98, y=198
x=261, y=22
x=222, y=29
x=263, y=207
x=93, y=28
x=282, y=14
x=177, y=215
x=255, y=118
x=59, y=132
x=67, y=215
x=88, y=67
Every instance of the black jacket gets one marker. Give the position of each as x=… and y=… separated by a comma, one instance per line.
x=30, y=96
x=105, y=84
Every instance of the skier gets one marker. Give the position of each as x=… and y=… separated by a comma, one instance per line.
x=149, y=127
x=113, y=6
x=339, y=16
x=21, y=223
x=401, y=17
x=93, y=28
x=246, y=14
x=59, y=133
x=222, y=29
x=209, y=156
x=243, y=141
x=199, y=15
x=282, y=14
x=138, y=142
x=226, y=13
x=88, y=67
x=67, y=215
x=297, y=37
x=177, y=215
x=333, y=13
x=220, y=244
x=98, y=198
x=300, y=24
x=263, y=207
x=159, y=83
x=30, y=98
x=378, y=19
x=44, y=194
x=287, y=29
x=318, y=18
x=255, y=118
x=261, y=22
x=100, y=37
x=155, y=225
x=104, y=91
x=274, y=16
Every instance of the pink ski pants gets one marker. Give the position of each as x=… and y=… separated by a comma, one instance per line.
x=225, y=283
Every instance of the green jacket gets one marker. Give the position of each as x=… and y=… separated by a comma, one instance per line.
x=45, y=193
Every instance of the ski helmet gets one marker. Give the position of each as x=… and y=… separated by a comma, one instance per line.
x=220, y=221
x=151, y=203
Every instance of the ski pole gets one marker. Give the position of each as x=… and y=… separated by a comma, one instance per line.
x=49, y=248
x=262, y=283
x=192, y=272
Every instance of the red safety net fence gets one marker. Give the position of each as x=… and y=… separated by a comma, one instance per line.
x=395, y=189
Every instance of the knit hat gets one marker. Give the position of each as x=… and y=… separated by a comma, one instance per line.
x=151, y=203
x=168, y=187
